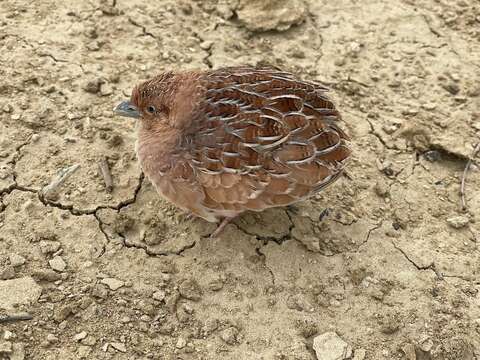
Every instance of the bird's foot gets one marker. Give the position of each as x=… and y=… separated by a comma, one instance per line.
x=187, y=216
x=221, y=227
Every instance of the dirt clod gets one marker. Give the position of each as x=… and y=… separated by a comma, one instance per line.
x=329, y=346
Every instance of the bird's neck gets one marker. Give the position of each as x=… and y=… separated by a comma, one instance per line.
x=157, y=150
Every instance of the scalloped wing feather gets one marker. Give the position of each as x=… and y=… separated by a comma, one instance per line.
x=262, y=139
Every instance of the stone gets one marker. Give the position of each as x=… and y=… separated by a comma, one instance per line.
x=100, y=291
x=206, y=45
x=47, y=275
x=106, y=89
x=329, y=346
x=230, y=335
x=51, y=338
x=458, y=222
x=57, y=264
x=93, y=86
x=190, y=290
x=84, y=352
x=80, y=336
x=360, y=354
x=266, y=15
x=7, y=272
x=49, y=247
x=16, y=260
x=159, y=295
x=7, y=108
x=181, y=342
x=113, y=284
x=119, y=346
x=21, y=291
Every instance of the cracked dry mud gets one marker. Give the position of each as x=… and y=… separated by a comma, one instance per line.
x=386, y=258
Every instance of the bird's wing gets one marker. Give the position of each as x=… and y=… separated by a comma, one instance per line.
x=264, y=139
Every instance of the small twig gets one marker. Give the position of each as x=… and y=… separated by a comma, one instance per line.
x=105, y=171
x=350, y=79
x=465, y=172
x=62, y=175
x=15, y=317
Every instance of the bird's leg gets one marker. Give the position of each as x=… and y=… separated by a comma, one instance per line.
x=220, y=227
x=189, y=216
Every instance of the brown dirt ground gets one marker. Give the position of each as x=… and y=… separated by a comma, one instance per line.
x=392, y=266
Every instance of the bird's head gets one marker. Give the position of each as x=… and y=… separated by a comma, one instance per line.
x=163, y=101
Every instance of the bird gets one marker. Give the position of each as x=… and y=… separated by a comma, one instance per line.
x=217, y=143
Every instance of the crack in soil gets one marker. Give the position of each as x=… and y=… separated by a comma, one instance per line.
x=378, y=136
x=431, y=266
x=144, y=28
x=144, y=247
x=264, y=261
x=376, y=227
x=81, y=212
x=44, y=54
x=266, y=239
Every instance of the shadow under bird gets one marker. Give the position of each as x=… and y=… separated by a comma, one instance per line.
x=220, y=142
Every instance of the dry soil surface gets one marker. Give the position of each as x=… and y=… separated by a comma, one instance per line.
x=386, y=258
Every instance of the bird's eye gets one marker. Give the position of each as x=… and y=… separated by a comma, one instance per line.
x=151, y=109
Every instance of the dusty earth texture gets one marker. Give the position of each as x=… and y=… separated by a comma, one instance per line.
x=387, y=259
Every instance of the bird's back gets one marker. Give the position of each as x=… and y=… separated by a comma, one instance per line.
x=260, y=138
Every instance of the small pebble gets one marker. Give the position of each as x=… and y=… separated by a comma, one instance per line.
x=7, y=272
x=458, y=222
x=429, y=106
x=106, y=89
x=119, y=346
x=16, y=260
x=8, y=335
x=49, y=247
x=145, y=318
x=93, y=86
x=329, y=346
x=452, y=88
x=113, y=284
x=80, y=336
x=57, y=264
x=181, y=343
x=433, y=155
x=7, y=108
x=52, y=338
x=159, y=295
x=360, y=354
x=206, y=45
x=190, y=289
x=229, y=335
x=47, y=275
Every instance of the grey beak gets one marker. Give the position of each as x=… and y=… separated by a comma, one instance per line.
x=127, y=109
